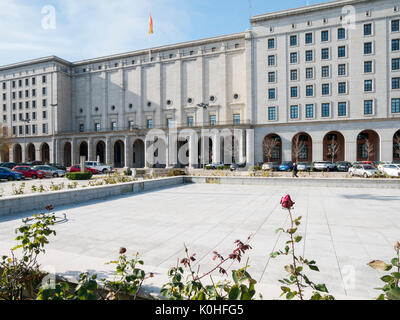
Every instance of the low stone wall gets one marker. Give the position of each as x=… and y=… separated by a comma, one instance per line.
x=30, y=202
x=308, y=182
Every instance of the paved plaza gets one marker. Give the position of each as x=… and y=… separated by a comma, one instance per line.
x=343, y=230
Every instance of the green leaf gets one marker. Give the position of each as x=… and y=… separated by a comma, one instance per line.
x=387, y=278
x=298, y=238
x=290, y=295
x=395, y=262
x=234, y=294
x=380, y=265
x=394, y=294
x=313, y=267
x=396, y=275
x=321, y=287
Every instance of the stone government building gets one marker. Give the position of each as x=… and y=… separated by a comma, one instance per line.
x=301, y=77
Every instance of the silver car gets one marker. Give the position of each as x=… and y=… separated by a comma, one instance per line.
x=270, y=166
x=304, y=166
x=363, y=170
x=50, y=171
x=324, y=166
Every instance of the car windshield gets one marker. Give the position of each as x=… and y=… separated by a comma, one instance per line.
x=368, y=167
x=6, y=169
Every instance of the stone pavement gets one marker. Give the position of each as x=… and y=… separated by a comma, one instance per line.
x=343, y=230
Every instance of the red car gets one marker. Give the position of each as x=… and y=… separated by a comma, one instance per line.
x=28, y=172
x=77, y=168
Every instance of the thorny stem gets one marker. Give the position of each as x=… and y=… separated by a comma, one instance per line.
x=294, y=257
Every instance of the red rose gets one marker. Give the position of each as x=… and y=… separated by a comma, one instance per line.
x=122, y=250
x=287, y=202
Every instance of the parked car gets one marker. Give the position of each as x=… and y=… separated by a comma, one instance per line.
x=50, y=171
x=8, y=165
x=381, y=165
x=77, y=168
x=234, y=167
x=8, y=174
x=286, y=166
x=35, y=163
x=270, y=166
x=28, y=172
x=98, y=166
x=371, y=163
x=363, y=170
x=304, y=166
x=392, y=170
x=57, y=166
x=343, y=166
x=324, y=166
x=215, y=165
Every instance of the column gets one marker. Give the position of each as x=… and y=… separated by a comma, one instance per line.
x=128, y=153
x=23, y=148
x=73, y=152
x=38, y=153
x=193, y=154
x=351, y=150
x=250, y=147
x=11, y=153
x=317, y=150
x=91, y=156
x=109, y=161
x=216, y=148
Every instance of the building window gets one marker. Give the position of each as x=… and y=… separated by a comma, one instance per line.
x=325, y=54
x=271, y=94
x=34, y=129
x=325, y=71
x=213, y=120
x=309, y=55
x=44, y=103
x=293, y=41
x=309, y=73
x=309, y=90
x=81, y=127
x=294, y=112
x=395, y=44
x=293, y=57
x=309, y=111
x=325, y=110
x=368, y=85
x=309, y=38
x=114, y=126
x=396, y=64
x=44, y=79
x=293, y=92
x=341, y=33
x=271, y=113
x=341, y=51
x=342, y=106
x=236, y=119
x=131, y=124
x=271, y=43
x=367, y=107
x=44, y=128
x=293, y=75
x=368, y=48
x=169, y=122
x=367, y=29
x=324, y=36
x=149, y=123
x=97, y=127
x=395, y=83
x=271, y=60
x=44, y=115
x=396, y=105
x=33, y=81
x=395, y=25
x=271, y=77
x=190, y=121
x=367, y=66
x=342, y=70
x=342, y=87
x=325, y=89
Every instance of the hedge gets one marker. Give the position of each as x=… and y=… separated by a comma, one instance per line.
x=79, y=175
x=174, y=173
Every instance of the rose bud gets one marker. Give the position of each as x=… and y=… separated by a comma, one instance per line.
x=397, y=246
x=122, y=250
x=287, y=202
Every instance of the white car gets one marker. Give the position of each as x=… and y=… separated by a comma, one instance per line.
x=215, y=165
x=98, y=166
x=392, y=170
x=363, y=170
x=382, y=164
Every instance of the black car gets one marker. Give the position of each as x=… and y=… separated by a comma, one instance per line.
x=9, y=165
x=343, y=166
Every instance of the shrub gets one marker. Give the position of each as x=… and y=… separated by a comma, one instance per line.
x=79, y=175
x=175, y=172
x=128, y=172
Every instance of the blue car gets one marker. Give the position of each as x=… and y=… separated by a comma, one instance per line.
x=7, y=174
x=286, y=166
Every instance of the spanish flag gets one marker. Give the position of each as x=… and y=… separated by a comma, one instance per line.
x=151, y=31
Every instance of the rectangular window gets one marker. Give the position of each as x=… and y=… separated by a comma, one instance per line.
x=396, y=64
x=368, y=85
x=43, y=79
x=81, y=127
x=325, y=89
x=44, y=102
x=97, y=127
x=341, y=33
x=293, y=75
x=271, y=113
x=309, y=55
x=271, y=77
x=368, y=107
x=34, y=104
x=213, y=120
x=309, y=111
x=325, y=110
x=396, y=105
x=367, y=29
x=27, y=105
x=294, y=112
x=236, y=119
x=271, y=94
x=169, y=122
x=131, y=125
x=342, y=70
x=309, y=73
x=309, y=38
x=44, y=128
x=33, y=81
x=324, y=36
x=341, y=51
x=325, y=54
x=44, y=91
x=342, y=106
x=368, y=48
x=395, y=25
x=293, y=92
x=271, y=60
x=325, y=71
x=293, y=57
x=395, y=44
x=293, y=41
x=342, y=87
x=149, y=123
x=26, y=82
x=114, y=126
x=309, y=90
x=190, y=121
x=367, y=66
x=395, y=83
x=271, y=43
x=34, y=129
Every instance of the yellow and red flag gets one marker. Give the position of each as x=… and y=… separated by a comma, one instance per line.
x=151, y=30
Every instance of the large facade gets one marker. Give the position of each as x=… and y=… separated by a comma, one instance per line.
x=306, y=84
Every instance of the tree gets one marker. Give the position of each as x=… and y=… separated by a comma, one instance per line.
x=333, y=149
x=298, y=147
x=369, y=148
x=269, y=146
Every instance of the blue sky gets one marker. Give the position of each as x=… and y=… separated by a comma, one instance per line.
x=93, y=28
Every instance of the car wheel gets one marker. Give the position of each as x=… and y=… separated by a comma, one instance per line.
x=365, y=175
x=351, y=174
x=104, y=171
x=34, y=177
x=55, y=175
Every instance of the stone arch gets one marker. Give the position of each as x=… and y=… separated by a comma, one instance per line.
x=272, y=148
x=396, y=147
x=334, y=147
x=45, y=152
x=368, y=142
x=17, y=150
x=119, y=154
x=31, y=152
x=138, y=154
x=100, y=151
x=67, y=149
x=83, y=150
x=302, y=147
